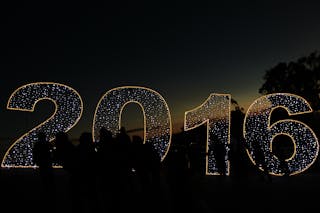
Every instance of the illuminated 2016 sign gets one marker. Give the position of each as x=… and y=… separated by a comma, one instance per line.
x=215, y=112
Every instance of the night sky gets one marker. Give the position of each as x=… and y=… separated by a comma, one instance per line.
x=183, y=50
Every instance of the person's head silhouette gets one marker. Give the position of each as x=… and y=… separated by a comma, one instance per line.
x=105, y=135
x=41, y=136
x=85, y=138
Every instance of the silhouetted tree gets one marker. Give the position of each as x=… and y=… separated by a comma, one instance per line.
x=300, y=77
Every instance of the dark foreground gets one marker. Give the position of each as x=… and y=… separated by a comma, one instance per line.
x=21, y=191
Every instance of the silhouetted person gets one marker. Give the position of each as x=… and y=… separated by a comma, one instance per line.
x=106, y=161
x=123, y=149
x=86, y=174
x=104, y=146
x=65, y=152
x=116, y=169
x=282, y=149
x=195, y=157
x=142, y=172
x=105, y=140
x=123, y=169
x=239, y=161
x=123, y=138
x=138, y=160
x=137, y=152
x=284, y=167
x=259, y=157
x=105, y=151
x=65, y=155
x=219, y=150
x=238, y=157
x=153, y=160
x=177, y=177
x=42, y=157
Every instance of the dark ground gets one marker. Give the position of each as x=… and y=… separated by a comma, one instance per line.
x=21, y=192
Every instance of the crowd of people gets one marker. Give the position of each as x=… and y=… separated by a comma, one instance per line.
x=116, y=171
x=103, y=175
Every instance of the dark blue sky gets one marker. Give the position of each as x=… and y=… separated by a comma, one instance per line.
x=184, y=50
